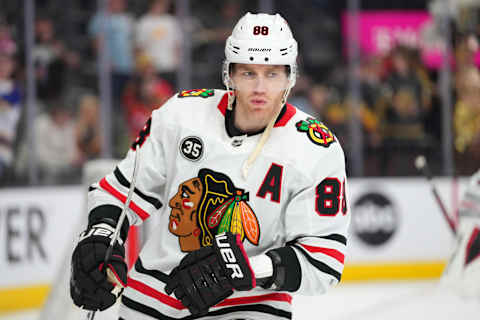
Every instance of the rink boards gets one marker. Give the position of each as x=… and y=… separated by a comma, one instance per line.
x=397, y=232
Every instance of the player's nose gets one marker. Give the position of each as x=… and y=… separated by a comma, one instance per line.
x=260, y=85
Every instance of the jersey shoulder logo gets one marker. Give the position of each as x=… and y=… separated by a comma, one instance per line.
x=316, y=131
x=191, y=148
x=209, y=204
x=204, y=93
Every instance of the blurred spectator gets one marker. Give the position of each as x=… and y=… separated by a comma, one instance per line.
x=210, y=41
x=319, y=35
x=88, y=132
x=119, y=27
x=159, y=36
x=337, y=115
x=318, y=98
x=218, y=27
x=299, y=94
x=10, y=109
x=143, y=94
x=7, y=44
x=467, y=121
x=52, y=59
x=340, y=108
x=466, y=50
x=403, y=116
x=56, y=149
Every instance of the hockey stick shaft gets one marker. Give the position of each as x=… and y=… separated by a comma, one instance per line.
x=450, y=221
x=126, y=205
x=425, y=169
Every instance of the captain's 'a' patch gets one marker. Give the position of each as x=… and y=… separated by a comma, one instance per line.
x=203, y=93
x=316, y=131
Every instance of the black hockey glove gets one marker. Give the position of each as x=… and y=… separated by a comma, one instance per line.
x=89, y=286
x=209, y=275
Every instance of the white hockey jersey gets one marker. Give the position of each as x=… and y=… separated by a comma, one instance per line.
x=190, y=174
x=462, y=273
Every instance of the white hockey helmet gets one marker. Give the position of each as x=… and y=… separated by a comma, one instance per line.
x=261, y=39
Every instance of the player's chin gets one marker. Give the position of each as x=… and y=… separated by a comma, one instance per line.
x=259, y=109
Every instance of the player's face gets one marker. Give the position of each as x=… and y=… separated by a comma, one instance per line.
x=259, y=91
x=184, y=204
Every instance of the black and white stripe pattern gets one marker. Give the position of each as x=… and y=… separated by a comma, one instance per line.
x=124, y=182
x=326, y=253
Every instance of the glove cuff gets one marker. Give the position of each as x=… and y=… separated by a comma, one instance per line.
x=109, y=214
x=287, y=273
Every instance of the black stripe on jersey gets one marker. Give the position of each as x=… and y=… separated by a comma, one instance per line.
x=320, y=265
x=160, y=276
x=334, y=237
x=91, y=188
x=139, y=307
x=124, y=182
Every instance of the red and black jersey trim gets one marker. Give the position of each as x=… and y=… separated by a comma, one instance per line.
x=334, y=237
x=139, y=307
x=124, y=182
x=473, y=246
x=320, y=265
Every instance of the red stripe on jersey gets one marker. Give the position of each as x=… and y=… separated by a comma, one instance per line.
x=174, y=303
x=149, y=291
x=337, y=255
x=283, y=297
x=286, y=116
x=139, y=211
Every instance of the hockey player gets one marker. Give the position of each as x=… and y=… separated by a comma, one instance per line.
x=463, y=269
x=250, y=192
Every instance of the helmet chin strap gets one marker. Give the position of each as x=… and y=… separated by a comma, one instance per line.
x=264, y=137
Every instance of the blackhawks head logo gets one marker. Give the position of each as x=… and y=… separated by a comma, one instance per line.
x=316, y=131
x=207, y=205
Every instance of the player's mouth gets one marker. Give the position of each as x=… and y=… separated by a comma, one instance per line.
x=258, y=102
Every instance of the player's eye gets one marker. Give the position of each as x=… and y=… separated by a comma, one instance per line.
x=272, y=74
x=185, y=195
x=248, y=74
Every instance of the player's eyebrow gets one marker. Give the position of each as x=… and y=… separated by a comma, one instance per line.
x=185, y=188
